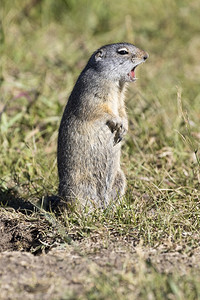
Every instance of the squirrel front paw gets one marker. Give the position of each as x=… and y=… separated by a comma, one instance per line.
x=117, y=128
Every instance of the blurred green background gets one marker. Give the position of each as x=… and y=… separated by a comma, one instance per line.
x=44, y=46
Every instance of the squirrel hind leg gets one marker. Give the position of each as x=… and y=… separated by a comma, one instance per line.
x=82, y=195
x=119, y=186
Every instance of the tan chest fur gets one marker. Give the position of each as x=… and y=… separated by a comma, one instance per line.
x=115, y=100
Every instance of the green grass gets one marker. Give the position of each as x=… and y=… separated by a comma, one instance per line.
x=146, y=284
x=42, y=50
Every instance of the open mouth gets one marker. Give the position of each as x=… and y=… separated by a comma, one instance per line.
x=131, y=74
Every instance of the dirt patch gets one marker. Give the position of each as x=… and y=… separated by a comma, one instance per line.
x=15, y=233
x=67, y=271
x=32, y=233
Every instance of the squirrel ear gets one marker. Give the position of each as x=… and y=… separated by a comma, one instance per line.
x=99, y=55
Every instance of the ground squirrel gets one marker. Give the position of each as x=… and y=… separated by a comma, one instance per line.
x=93, y=125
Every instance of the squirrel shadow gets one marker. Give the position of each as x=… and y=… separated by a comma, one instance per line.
x=10, y=199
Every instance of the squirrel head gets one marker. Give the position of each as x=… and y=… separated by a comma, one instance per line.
x=117, y=62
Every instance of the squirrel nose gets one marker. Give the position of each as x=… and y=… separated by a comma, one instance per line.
x=145, y=56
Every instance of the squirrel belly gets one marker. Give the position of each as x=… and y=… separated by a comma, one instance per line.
x=93, y=124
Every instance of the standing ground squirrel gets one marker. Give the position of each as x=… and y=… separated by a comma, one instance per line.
x=93, y=125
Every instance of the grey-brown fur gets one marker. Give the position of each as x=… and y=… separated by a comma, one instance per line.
x=92, y=126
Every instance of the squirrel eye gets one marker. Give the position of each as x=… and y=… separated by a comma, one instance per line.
x=122, y=51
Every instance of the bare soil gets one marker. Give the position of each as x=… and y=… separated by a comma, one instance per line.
x=35, y=263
